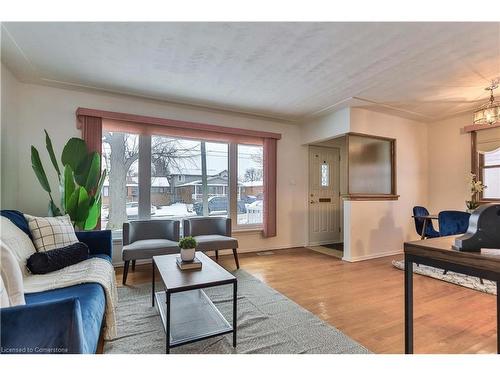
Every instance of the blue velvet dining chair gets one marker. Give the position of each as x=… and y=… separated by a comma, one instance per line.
x=430, y=232
x=453, y=222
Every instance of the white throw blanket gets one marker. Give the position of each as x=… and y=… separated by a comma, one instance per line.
x=93, y=270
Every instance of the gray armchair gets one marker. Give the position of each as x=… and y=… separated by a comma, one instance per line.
x=144, y=239
x=212, y=233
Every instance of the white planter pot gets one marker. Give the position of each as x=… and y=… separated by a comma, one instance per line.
x=187, y=255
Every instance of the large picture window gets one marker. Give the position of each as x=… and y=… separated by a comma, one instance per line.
x=185, y=178
x=160, y=167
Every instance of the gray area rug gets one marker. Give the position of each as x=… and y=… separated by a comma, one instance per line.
x=268, y=322
x=471, y=282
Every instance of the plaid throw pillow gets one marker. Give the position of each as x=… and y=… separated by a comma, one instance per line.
x=51, y=232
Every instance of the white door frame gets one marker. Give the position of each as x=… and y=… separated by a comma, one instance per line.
x=340, y=236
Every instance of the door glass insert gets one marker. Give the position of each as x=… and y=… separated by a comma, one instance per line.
x=325, y=175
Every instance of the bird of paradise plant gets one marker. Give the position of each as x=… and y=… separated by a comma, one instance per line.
x=80, y=182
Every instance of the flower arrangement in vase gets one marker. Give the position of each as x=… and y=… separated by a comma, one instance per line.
x=475, y=187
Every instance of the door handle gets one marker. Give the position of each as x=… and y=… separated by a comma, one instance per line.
x=312, y=202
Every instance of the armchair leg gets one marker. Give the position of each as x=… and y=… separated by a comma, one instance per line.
x=235, y=254
x=133, y=265
x=217, y=255
x=125, y=271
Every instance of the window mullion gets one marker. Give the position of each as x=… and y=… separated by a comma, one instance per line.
x=204, y=178
x=233, y=183
x=144, y=177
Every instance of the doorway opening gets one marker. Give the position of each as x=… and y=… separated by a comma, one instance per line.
x=324, y=197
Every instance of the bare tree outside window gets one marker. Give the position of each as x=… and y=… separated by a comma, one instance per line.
x=170, y=154
x=120, y=156
x=253, y=174
x=120, y=152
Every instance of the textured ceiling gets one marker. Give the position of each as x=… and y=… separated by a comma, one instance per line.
x=425, y=71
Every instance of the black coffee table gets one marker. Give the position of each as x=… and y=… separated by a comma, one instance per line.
x=187, y=314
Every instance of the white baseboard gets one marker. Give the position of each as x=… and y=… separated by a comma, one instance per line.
x=224, y=252
x=271, y=248
x=372, y=256
x=320, y=243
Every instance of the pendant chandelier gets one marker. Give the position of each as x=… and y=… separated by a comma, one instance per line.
x=488, y=113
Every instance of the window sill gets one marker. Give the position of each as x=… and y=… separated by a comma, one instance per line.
x=248, y=230
x=117, y=240
x=370, y=197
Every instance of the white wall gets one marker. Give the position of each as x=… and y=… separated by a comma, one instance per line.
x=54, y=109
x=378, y=228
x=326, y=127
x=8, y=135
x=449, y=163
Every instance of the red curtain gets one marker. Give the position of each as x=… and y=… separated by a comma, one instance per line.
x=188, y=133
x=92, y=135
x=270, y=170
x=91, y=132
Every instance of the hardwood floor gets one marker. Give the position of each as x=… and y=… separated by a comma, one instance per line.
x=365, y=300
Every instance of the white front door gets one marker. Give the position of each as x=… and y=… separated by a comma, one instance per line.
x=324, y=195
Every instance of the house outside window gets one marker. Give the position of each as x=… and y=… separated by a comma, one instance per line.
x=250, y=185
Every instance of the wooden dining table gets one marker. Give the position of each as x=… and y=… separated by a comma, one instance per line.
x=439, y=253
x=427, y=219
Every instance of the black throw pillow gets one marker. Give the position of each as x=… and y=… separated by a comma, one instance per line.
x=49, y=261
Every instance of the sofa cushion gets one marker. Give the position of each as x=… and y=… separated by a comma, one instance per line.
x=51, y=232
x=11, y=278
x=43, y=262
x=92, y=302
x=18, y=242
x=146, y=249
x=215, y=242
x=18, y=219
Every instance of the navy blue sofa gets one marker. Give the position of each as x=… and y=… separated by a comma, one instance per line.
x=65, y=320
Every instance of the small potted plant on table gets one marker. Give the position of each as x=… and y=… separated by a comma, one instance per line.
x=188, y=247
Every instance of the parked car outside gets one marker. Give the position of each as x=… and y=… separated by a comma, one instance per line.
x=218, y=204
x=248, y=199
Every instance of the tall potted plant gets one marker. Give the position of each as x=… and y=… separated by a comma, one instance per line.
x=475, y=187
x=80, y=182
